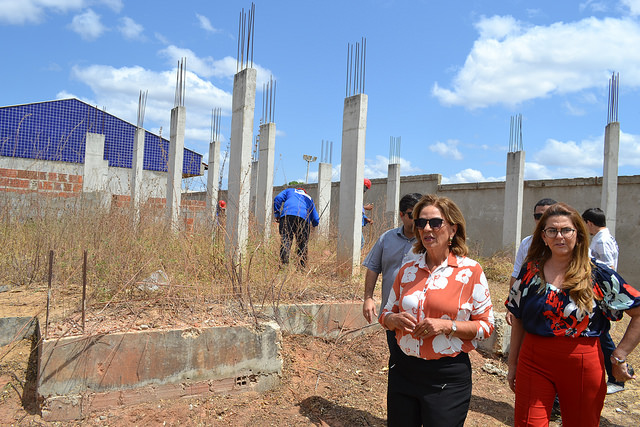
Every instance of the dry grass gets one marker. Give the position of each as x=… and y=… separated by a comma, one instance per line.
x=198, y=273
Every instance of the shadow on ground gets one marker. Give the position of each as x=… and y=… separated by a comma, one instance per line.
x=320, y=410
x=501, y=411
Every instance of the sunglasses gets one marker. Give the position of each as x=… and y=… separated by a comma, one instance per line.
x=434, y=223
x=409, y=214
x=537, y=216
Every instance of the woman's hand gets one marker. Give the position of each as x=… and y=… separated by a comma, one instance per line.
x=511, y=378
x=431, y=327
x=621, y=372
x=403, y=321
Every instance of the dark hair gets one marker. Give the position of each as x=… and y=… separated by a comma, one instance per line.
x=596, y=216
x=544, y=202
x=408, y=201
x=577, y=278
x=450, y=213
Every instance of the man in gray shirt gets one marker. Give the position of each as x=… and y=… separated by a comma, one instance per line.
x=386, y=257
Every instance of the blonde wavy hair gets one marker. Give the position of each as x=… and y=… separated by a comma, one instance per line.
x=577, y=278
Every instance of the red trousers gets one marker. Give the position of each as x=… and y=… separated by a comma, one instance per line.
x=571, y=367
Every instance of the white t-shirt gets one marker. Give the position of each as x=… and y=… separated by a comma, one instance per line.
x=604, y=248
x=523, y=249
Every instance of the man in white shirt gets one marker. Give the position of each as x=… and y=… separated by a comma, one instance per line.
x=603, y=248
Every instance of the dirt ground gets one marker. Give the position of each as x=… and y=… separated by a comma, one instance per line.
x=324, y=383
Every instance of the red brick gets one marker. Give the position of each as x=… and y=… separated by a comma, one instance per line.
x=47, y=185
x=67, y=187
x=10, y=173
x=20, y=183
x=168, y=391
x=77, y=188
x=62, y=177
x=196, y=389
x=53, y=176
x=27, y=174
x=57, y=186
x=104, y=400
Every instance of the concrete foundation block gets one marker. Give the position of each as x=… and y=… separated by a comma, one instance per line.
x=322, y=320
x=498, y=342
x=78, y=375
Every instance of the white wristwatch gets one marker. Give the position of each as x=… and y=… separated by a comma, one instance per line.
x=454, y=328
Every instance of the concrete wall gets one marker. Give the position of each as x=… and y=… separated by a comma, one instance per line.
x=483, y=209
x=80, y=374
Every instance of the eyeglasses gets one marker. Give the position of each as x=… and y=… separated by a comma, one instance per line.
x=537, y=216
x=434, y=223
x=409, y=214
x=565, y=232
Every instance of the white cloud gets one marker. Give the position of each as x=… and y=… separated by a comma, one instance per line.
x=33, y=11
x=118, y=89
x=593, y=6
x=210, y=67
x=88, y=25
x=448, y=149
x=115, y=5
x=469, y=175
x=130, y=29
x=633, y=5
x=205, y=24
x=511, y=62
x=570, y=159
x=379, y=167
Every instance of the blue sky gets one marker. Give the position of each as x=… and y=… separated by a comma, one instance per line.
x=445, y=77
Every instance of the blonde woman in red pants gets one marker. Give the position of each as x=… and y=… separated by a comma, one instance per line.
x=562, y=301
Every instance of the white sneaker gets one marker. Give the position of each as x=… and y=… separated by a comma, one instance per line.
x=614, y=388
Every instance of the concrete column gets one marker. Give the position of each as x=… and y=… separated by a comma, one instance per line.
x=323, y=203
x=213, y=179
x=393, y=195
x=354, y=127
x=513, y=199
x=609, y=201
x=137, y=163
x=254, y=188
x=243, y=106
x=264, y=196
x=176, y=159
x=96, y=169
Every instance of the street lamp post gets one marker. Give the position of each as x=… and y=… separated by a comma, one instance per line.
x=307, y=158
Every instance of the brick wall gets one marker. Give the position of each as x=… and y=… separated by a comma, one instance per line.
x=189, y=209
x=44, y=183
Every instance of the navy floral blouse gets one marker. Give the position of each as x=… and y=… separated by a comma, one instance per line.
x=553, y=313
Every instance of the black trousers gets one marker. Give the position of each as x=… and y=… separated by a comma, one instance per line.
x=291, y=227
x=429, y=392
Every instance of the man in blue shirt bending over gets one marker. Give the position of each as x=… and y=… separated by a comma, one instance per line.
x=295, y=212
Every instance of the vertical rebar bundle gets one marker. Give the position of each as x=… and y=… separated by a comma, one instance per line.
x=268, y=101
x=394, y=149
x=612, y=111
x=515, y=134
x=356, y=66
x=216, y=113
x=181, y=80
x=326, y=152
x=256, y=152
x=246, y=34
x=142, y=105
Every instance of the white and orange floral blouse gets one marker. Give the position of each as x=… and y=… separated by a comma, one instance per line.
x=457, y=289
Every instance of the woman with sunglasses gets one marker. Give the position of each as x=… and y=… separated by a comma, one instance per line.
x=439, y=307
x=562, y=301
